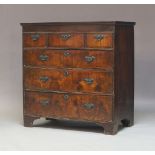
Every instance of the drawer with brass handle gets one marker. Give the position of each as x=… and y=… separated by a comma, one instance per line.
x=75, y=40
x=34, y=40
x=69, y=58
x=70, y=80
x=99, y=40
x=94, y=107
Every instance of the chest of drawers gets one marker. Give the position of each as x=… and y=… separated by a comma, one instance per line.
x=79, y=71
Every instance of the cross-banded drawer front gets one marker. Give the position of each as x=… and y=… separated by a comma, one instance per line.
x=74, y=40
x=35, y=40
x=69, y=58
x=99, y=40
x=82, y=107
x=68, y=80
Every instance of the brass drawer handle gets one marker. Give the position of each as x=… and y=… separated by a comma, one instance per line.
x=35, y=37
x=89, y=58
x=65, y=36
x=89, y=80
x=44, y=78
x=99, y=37
x=44, y=102
x=89, y=106
x=66, y=73
x=67, y=53
x=43, y=57
x=66, y=97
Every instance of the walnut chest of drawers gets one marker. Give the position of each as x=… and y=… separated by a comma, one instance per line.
x=79, y=71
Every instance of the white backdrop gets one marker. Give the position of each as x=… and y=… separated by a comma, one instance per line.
x=14, y=136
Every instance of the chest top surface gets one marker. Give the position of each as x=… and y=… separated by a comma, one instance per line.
x=74, y=26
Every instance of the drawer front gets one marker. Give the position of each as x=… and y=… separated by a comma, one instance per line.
x=34, y=40
x=47, y=58
x=93, y=59
x=75, y=40
x=81, y=107
x=68, y=80
x=69, y=58
x=99, y=40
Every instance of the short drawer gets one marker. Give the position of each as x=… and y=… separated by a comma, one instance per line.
x=34, y=40
x=71, y=80
x=60, y=40
x=99, y=40
x=69, y=58
x=62, y=105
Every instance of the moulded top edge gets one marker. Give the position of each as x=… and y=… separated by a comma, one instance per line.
x=82, y=23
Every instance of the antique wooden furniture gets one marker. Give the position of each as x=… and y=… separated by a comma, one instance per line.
x=79, y=71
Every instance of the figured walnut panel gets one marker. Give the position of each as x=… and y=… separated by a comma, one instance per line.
x=69, y=58
x=75, y=80
x=73, y=107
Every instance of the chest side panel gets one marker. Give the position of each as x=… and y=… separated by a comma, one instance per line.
x=124, y=73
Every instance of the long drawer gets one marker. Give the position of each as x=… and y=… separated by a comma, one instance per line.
x=70, y=80
x=81, y=107
x=69, y=58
